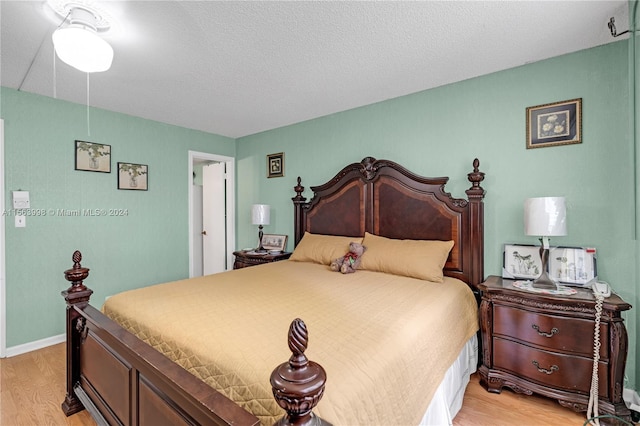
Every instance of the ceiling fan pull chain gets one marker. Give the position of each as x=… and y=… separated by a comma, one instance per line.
x=88, y=120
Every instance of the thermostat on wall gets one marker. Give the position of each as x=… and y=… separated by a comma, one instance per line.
x=21, y=200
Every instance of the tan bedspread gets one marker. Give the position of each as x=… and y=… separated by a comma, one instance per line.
x=385, y=341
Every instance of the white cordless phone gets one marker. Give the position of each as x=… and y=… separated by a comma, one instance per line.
x=601, y=288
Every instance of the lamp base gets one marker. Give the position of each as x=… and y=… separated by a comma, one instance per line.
x=544, y=282
x=260, y=249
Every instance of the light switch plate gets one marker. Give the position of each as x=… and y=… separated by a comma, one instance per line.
x=21, y=221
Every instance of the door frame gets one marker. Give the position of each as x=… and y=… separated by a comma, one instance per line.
x=3, y=293
x=230, y=202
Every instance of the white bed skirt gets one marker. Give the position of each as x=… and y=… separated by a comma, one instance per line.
x=447, y=400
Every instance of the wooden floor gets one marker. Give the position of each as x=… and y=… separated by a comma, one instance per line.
x=32, y=387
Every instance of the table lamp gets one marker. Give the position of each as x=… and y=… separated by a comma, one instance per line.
x=545, y=217
x=260, y=217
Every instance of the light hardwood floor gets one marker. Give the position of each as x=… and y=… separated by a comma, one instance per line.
x=32, y=387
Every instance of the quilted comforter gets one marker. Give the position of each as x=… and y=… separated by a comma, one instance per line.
x=384, y=340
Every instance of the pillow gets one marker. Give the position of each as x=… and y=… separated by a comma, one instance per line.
x=322, y=249
x=422, y=259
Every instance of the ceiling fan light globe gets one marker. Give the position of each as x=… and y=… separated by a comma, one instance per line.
x=82, y=48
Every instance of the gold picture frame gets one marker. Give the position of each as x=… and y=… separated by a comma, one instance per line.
x=275, y=165
x=558, y=123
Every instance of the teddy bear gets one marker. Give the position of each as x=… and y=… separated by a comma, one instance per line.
x=348, y=263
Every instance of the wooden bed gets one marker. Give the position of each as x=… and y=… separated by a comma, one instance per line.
x=122, y=380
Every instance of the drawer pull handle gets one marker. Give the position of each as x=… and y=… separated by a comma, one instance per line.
x=554, y=330
x=544, y=370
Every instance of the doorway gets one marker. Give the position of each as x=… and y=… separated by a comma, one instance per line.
x=223, y=234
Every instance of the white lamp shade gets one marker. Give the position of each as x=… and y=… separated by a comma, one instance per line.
x=545, y=216
x=260, y=214
x=82, y=48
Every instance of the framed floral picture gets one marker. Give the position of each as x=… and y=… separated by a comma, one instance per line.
x=275, y=165
x=554, y=124
x=93, y=157
x=133, y=176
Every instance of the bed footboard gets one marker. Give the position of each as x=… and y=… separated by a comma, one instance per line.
x=121, y=380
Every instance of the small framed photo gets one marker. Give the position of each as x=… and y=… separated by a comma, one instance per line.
x=521, y=262
x=573, y=265
x=93, y=157
x=554, y=124
x=273, y=242
x=275, y=165
x=133, y=176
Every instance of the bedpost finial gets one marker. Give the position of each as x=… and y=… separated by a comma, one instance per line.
x=77, y=257
x=76, y=274
x=299, y=189
x=298, y=340
x=475, y=177
x=298, y=385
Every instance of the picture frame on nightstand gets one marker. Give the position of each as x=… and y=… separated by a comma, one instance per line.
x=574, y=266
x=274, y=242
x=521, y=261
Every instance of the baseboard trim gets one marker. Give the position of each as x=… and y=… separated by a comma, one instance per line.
x=32, y=346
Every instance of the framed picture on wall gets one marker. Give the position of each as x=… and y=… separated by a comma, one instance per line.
x=133, y=176
x=554, y=124
x=93, y=157
x=275, y=165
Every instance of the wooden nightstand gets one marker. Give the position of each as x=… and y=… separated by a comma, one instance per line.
x=246, y=258
x=544, y=344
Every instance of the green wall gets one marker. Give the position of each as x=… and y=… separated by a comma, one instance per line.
x=482, y=117
x=148, y=245
x=440, y=131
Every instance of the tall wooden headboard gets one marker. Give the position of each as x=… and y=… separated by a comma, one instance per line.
x=383, y=198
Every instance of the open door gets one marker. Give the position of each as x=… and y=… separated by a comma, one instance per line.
x=214, y=238
x=224, y=239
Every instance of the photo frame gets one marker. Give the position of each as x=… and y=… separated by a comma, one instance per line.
x=274, y=242
x=521, y=261
x=92, y=157
x=275, y=165
x=133, y=176
x=559, y=123
x=573, y=265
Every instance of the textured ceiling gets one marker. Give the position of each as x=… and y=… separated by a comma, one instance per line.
x=238, y=67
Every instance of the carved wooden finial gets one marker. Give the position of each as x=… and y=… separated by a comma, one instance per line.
x=368, y=169
x=475, y=177
x=298, y=340
x=298, y=385
x=299, y=189
x=76, y=274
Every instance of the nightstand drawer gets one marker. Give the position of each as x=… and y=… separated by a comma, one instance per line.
x=550, y=369
x=552, y=332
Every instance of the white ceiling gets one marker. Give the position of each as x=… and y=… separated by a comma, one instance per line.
x=239, y=67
